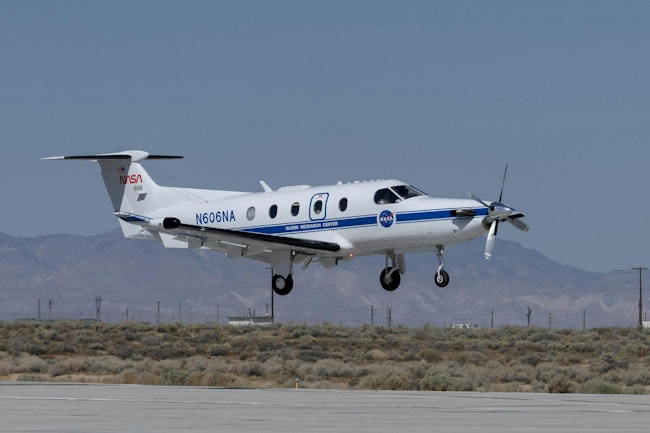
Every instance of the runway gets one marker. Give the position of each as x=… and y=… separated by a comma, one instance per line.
x=52, y=407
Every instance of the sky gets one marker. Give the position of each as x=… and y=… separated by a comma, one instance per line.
x=440, y=94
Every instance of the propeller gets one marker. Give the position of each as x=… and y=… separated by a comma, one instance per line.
x=497, y=211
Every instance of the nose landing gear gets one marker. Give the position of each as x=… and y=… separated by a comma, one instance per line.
x=442, y=277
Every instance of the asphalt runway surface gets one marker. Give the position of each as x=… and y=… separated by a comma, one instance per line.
x=53, y=407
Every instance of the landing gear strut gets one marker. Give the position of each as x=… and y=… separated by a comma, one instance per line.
x=282, y=285
x=390, y=275
x=442, y=277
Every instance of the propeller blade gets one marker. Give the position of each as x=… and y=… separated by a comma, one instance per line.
x=503, y=182
x=519, y=224
x=489, y=243
x=473, y=197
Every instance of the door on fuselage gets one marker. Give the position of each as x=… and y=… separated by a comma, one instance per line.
x=318, y=206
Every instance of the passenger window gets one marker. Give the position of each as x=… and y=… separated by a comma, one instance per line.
x=318, y=207
x=273, y=211
x=250, y=213
x=343, y=204
x=295, y=208
x=384, y=196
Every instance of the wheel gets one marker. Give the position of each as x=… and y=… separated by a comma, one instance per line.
x=389, y=281
x=281, y=285
x=442, y=278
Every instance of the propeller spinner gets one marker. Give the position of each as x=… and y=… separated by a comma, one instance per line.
x=497, y=211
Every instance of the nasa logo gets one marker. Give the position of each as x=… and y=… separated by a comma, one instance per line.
x=386, y=218
x=133, y=178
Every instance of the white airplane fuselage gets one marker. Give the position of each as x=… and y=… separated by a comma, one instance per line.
x=298, y=224
x=364, y=227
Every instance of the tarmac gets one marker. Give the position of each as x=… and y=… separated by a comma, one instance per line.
x=66, y=407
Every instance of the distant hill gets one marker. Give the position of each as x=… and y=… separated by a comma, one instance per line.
x=71, y=271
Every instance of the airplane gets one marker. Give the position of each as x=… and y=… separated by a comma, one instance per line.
x=301, y=224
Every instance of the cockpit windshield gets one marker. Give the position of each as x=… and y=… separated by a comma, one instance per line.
x=407, y=191
x=396, y=194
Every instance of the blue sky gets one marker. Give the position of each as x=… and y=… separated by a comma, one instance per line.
x=439, y=94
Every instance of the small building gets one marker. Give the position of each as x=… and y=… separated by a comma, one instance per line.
x=462, y=325
x=250, y=321
x=645, y=325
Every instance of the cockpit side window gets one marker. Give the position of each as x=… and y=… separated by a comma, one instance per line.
x=384, y=196
x=407, y=191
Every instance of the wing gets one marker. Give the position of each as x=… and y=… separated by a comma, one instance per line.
x=237, y=243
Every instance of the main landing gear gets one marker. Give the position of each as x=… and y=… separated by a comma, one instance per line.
x=390, y=275
x=389, y=278
x=282, y=285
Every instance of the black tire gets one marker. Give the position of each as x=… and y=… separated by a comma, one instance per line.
x=442, y=278
x=388, y=281
x=281, y=285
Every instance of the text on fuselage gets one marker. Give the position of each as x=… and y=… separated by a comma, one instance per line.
x=215, y=217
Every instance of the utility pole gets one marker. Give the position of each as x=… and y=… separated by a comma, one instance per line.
x=492, y=321
x=584, y=319
x=640, y=269
x=157, y=312
x=98, y=307
x=372, y=315
x=528, y=315
x=49, y=307
x=550, y=320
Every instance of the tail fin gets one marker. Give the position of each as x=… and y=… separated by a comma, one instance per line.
x=132, y=191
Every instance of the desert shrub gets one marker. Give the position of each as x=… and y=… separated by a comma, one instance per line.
x=68, y=365
x=637, y=375
x=24, y=363
x=376, y=355
x=600, y=387
x=175, y=377
x=561, y=384
x=636, y=390
x=394, y=380
x=435, y=382
x=530, y=360
x=125, y=352
x=607, y=363
x=311, y=355
x=219, y=349
x=252, y=369
x=430, y=355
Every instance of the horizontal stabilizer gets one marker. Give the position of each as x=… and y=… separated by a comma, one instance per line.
x=133, y=155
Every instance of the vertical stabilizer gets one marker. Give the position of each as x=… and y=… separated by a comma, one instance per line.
x=133, y=193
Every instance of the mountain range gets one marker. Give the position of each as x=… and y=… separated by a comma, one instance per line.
x=63, y=277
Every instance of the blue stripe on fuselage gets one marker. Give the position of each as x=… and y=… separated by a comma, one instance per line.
x=356, y=222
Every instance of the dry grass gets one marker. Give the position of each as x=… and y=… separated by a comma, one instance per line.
x=607, y=360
